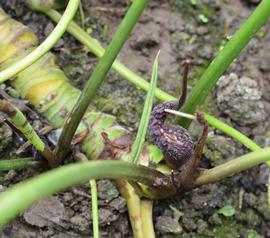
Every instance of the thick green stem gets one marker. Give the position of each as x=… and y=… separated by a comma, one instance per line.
x=226, y=56
x=133, y=203
x=234, y=166
x=18, y=198
x=147, y=218
x=45, y=46
x=98, y=76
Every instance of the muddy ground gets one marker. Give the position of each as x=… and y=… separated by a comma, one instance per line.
x=241, y=99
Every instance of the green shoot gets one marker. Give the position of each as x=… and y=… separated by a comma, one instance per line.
x=94, y=200
x=140, y=137
x=203, y=19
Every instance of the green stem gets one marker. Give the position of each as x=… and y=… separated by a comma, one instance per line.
x=147, y=220
x=94, y=199
x=98, y=76
x=41, y=5
x=234, y=166
x=23, y=163
x=21, y=123
x=133, y=204
x=95, y=47
x=45, y=46
x=93, y=185
x=16, y=199
x=226, y=56
x=147, y=108
x=250, y=144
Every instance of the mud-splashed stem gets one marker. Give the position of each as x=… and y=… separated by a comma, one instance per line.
x=21, y=123
x=98, y=76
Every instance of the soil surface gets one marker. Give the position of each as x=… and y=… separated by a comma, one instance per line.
x=234, y=207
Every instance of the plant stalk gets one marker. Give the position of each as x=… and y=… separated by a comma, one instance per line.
x=233, y=166
x=147, y=218
x=94, y=195
x=98, y=76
